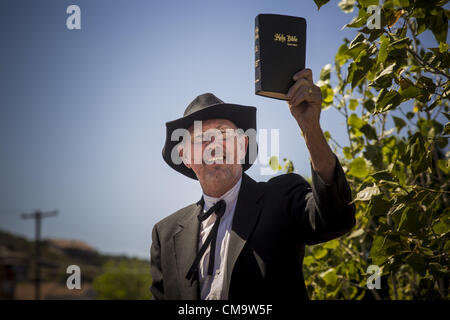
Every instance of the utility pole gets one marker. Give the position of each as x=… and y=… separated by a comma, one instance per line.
x=37, y=216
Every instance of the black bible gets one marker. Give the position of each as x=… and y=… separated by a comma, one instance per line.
x=280, y=48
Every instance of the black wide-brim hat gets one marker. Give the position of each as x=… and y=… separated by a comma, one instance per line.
x=204, y=107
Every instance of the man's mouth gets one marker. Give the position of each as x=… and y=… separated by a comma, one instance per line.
x=215, y=160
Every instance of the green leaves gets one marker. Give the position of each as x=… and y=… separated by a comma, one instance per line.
x=382, y=175
x=356, y=46
x=122, y=280
x=357, y=233
x=326, y=89
x=383, y=51
x=320, y=3
x=396, y=160
x=327, y=95
x=319, y=252
x=384, y=247
x=438, y=22
x=418, y=263
x=399, y=123
x=409, y=92
x=441, y=226
x=333, y=244
x=355, y=122
x=373, y=154
x=329, y=276
x=358, y=168
x=367, y=3
x=369, y=132
x=359, y=21
x=325, y=73
x=347, y=153
x=353, y=103
x=426, y=83
x=384, y=78
x=361, y=65
x=399, y=44
x=443, y=47
x=369, y=105
x=410, y=220
x=444, y=165
x=342, y=56
x=417, y=155
x=378, y=205
x=273, y=163
x=367, y=193
x=359, y=127
x=347, y=5
x=387, y=100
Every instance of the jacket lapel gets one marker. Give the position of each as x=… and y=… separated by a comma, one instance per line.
x=245, y=217
x=186, y=247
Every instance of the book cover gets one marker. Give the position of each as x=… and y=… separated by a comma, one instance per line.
x=280, y=48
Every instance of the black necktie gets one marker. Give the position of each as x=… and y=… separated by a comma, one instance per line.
x=219, y=209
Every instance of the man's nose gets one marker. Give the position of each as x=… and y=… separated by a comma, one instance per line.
x=215, y=145
x=213, y=142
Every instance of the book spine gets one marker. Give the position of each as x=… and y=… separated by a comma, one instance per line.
x=258, y=86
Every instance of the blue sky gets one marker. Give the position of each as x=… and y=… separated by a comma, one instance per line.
x=83, y=112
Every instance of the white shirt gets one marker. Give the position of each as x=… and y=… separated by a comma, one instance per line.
x=211, y=285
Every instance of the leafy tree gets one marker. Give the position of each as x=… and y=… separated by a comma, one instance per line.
x=393, y=95
x=124, y=280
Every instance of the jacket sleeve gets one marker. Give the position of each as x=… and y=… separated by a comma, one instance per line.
x=323, y=211
x=157, y=286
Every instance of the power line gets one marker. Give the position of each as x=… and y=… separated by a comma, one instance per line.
x=38, y=216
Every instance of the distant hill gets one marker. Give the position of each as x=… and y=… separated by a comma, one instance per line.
x=17, y=259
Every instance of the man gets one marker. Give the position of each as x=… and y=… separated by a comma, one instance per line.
x=244, y=239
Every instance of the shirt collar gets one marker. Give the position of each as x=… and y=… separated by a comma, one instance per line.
x=230, y=197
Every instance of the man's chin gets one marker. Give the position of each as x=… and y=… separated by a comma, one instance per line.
x=215, y=166
x=217, y=169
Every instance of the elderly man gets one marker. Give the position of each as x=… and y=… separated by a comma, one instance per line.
x=245, y=239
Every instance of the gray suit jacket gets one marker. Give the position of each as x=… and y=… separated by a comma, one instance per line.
x=272, y=223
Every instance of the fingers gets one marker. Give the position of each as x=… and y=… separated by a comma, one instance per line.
x=302, y=95
x=309, y=94
x=305, y=73
x=303, y=89
x=301, y=78
x=301, y=83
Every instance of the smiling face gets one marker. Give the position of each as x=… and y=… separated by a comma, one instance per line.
x=220, y=151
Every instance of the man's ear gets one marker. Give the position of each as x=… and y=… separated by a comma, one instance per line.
x=242, y=147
